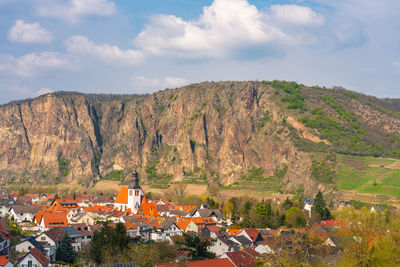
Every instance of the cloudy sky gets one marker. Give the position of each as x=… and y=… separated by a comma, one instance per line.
x=132, y=46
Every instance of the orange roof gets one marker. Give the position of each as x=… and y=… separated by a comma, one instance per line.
x=52, y=219
x=149, y=209
x=188, y=208
x=130, y=226
x=122, y=196
x=3, y=260
x=183, y=223
x=234, y=231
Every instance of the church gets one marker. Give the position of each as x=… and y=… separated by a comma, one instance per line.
x=130, y=197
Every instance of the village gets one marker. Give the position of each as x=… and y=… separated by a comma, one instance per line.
x=42, y=228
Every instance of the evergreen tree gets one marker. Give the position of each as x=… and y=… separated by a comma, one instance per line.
x=113, y=240
x=58, y=254
x=197, y=247
x=66, y=249
x=321, y=208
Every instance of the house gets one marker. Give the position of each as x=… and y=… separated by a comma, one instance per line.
x=4, y=262
x=78, y=216
x=223, y=245
x=170, y=228
x=50, y=240
x=132, y=230
x=201, y=263
x=5, y=205
x=28, y=244
x=209, y=230
x=241, y=241
x=35, y=197
x=22, y=213
x=239, y=258
x=264, y=249
x=84, y=231
x=163, y=210
x=34, y=258
x=5, y=241
x=252, y=234
x=215, y=214
x=24, y=200
x=47, y=219
x=66, y=203
x=75, y=236
x=308, y=203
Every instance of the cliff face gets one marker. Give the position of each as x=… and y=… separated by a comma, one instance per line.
x=218, y=129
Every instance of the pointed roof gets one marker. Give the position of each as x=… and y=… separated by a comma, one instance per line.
x=122, y=196
x=38, y=256
x=4, y=260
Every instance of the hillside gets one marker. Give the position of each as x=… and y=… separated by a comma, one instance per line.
x=270, y=136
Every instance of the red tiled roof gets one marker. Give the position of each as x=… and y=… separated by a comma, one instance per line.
x=213, y=228
x=202, y=263
x=3, y=260
x=334, y=222
x=241, y=258
x=253, y=233
x=252, y=252
x=40, y=256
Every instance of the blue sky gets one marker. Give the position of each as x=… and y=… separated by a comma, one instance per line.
x=129, y=46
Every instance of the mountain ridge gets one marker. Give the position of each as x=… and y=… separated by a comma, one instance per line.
x=211, y=132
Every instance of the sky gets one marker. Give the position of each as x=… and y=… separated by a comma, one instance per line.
x=133, y=47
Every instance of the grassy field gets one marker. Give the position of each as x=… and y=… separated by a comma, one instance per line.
x=368, y=175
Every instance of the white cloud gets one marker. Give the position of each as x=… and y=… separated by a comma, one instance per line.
x=43, y=91
x=109, y=54
x=75, y=9
x=142, y=82
x=296, y=15
x=225, y=27
x=23, y=32
x=35, y=63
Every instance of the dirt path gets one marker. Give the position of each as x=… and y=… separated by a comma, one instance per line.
x=395, y=165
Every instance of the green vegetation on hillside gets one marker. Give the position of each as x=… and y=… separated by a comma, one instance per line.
x=368, y=175
x=64, y=166
x=293, y=95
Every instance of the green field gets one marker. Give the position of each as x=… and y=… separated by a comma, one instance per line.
x=368, y=175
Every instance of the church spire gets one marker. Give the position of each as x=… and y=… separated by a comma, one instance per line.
x=135, y=180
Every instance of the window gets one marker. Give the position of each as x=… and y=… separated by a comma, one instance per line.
x=29, y=263
x=43, y=238
x=136, y=192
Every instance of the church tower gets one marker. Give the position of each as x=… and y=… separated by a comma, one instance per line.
x=135, y=193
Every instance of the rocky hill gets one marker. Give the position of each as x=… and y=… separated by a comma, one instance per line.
x=212, y=132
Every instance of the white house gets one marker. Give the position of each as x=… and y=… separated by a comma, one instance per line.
x=51, y=240
x=264, y=249
x=28, y=244
x=34, y=258
x=222, y=245
x=23, y=213
x=308, y=203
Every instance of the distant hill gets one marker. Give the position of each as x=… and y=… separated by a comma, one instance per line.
x=272, y=136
